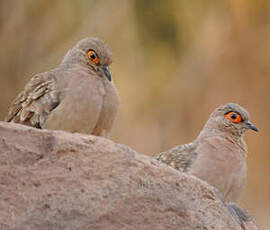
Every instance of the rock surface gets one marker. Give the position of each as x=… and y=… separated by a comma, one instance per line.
x=58, y=180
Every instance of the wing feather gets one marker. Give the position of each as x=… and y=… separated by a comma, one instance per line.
x=179, y=157
x=33, y=105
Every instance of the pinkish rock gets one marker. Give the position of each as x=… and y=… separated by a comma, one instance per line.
x=58, y=180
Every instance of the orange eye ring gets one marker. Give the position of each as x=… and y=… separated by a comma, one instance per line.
x=234, y=117
x=93, y=56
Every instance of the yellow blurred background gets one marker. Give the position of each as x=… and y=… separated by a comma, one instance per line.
x=174, y=62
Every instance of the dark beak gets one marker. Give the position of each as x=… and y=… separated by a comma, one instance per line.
x=106, y=70
x=251, y=126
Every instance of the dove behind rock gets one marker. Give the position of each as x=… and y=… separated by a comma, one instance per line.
x=218, y=154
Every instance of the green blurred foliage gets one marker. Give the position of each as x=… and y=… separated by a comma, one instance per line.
x=174, y=62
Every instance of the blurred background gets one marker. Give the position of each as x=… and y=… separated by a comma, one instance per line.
x=174, y=62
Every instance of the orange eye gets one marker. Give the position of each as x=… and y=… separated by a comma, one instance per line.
x=93, y=56
x=234, y=117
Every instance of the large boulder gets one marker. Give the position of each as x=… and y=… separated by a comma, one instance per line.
x=62, y=181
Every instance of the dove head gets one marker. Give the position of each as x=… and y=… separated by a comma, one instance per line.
x=92, y=53
x=230, y=118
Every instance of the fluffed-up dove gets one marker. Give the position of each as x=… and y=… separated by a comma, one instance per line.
x=218, y=155
x=77, y=96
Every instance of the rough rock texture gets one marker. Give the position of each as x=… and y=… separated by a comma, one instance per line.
x=62, y=181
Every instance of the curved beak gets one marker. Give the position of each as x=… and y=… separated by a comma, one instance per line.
x=251, y=126
x=107, y=72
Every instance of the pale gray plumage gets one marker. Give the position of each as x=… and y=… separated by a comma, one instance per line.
x=218, y=154
x=77, y=96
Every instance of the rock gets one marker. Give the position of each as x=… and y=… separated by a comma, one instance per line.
x=58, y=180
